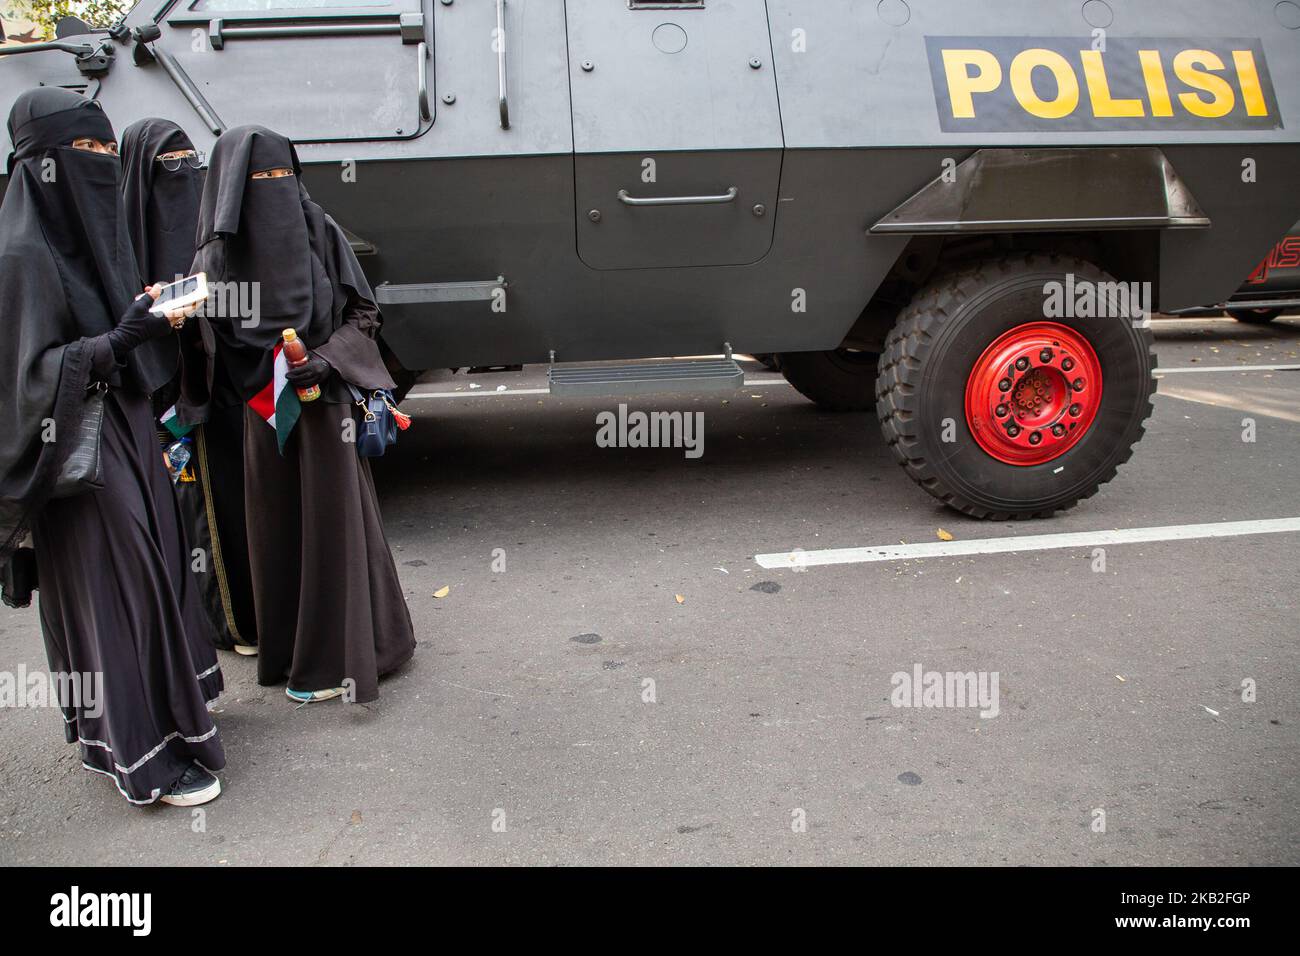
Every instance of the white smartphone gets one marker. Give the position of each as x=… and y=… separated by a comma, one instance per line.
x=181, y=294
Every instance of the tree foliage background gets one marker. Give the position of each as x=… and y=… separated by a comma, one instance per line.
x=44, y=14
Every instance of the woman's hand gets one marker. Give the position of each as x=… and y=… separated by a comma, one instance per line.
x=138, y=325
x=312, y=372
x=176, y=317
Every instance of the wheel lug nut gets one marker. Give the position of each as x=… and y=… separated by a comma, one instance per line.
x=1004, y=385
x=1067, y=364
x=1013, y=431
x=1076, y=410
x=1001, y=411
x=1036, y=438
x=1058, y=430
x=1078, y=385
x=1022, y=363
x=1045, y=355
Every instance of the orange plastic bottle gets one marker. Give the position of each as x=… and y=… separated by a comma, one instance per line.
x=295, y=353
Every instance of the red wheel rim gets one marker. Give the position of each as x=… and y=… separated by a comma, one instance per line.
x=1033, y=393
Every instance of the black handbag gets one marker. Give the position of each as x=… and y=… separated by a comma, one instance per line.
x=380, y=421
x=81, y=470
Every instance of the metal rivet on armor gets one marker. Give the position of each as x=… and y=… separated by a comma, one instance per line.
x=760, y=210
x=588, y=66
x=449, y=98
x=594, y=215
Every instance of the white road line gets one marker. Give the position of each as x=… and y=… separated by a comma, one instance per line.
x=478, y=393
x=493, y=393
x=1227, y=368
x=768, y=382
x=1036, y=542
x=1251, y=405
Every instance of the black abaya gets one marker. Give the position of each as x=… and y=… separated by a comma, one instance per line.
x=118, y=599
x=116, y=596
x=162, y=212
x=329, y=605
x=223, y=438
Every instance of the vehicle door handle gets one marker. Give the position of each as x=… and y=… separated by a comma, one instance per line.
x=422, y=56
x=629, y=200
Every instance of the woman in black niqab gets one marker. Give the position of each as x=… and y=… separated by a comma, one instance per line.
x=161, y=204
x=161, y=200
x=330, y=610
x=117, y=604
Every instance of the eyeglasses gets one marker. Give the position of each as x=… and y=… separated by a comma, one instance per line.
x=193, y=158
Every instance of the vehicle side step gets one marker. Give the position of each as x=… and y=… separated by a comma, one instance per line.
x=643, y=378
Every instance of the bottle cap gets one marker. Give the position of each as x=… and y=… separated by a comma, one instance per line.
x=290, y=335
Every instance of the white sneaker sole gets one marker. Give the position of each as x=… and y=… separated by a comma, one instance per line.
x=316, y=697
x=206, y=795
x=246, y=650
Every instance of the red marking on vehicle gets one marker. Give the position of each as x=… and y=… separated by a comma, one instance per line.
x=1285, y=255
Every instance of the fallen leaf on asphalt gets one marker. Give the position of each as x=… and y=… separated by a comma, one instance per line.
x=944, y=535
x=680, y=599
x=443, y=591
x=356, y=816
x=1120, y=679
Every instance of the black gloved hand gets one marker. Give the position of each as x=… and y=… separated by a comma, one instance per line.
x=312, y=372
x=137, y=326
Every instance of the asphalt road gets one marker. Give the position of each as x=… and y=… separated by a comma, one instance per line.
x=771, y=736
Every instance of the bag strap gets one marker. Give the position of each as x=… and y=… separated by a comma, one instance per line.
x=360, y=401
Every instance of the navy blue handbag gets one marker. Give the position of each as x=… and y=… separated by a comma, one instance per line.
x=380, y=421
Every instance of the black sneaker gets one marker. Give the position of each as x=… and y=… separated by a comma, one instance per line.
x=195, y=786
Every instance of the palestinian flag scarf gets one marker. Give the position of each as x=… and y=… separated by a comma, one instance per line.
x=277, y=403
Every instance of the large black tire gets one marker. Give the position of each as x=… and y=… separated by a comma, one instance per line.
x=1255, y=316
x=842, y=380
x=927, y=362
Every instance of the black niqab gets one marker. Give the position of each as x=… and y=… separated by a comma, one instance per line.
x=67, y=274
x=269, y=232
x=161, y=205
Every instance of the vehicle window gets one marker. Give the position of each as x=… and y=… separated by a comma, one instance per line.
x=334, y=69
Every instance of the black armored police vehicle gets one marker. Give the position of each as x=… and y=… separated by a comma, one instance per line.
x=959, y=214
